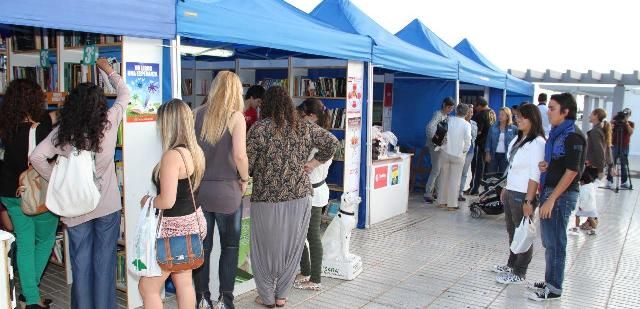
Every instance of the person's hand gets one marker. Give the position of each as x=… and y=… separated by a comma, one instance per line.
x=104, y=65
x=527, y=209
x=311, y=165
x=487, y=157
x=144, y=200
x=543, y=165
x=243, y=186
x=547, y=207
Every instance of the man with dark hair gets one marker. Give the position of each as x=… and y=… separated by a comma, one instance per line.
x=252, y=102
x=482, y=117
x=565, y=154
x=621, y=130
x=434, y=153
x=542, y=106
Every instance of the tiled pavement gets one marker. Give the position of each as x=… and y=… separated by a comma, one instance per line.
x=438, y=259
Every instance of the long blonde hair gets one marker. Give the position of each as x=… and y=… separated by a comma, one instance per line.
x=507, y=112
x=175, y=123
x=224, y=99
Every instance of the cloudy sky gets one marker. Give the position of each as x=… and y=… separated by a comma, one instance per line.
x=541, y=34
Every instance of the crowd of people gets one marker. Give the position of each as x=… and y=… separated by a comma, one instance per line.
x=546, y=159
x=208, y=156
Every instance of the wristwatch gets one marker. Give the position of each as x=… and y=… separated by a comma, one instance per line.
x=244, y=180
x=530, y=202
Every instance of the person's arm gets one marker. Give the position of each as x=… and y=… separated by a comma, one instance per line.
x=629, y=126
x=574, y=148
x=254, y=142
x=432, y=126
x=536, y=155
x=467, y=136
x=169, y=174
x=43, y=152
x=239, y=141
x=122, y=91
x=325, y=142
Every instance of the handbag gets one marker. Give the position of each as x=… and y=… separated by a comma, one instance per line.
x=178, y=253
x=32, y=188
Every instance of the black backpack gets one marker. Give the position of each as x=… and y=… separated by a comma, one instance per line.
x=441, y=132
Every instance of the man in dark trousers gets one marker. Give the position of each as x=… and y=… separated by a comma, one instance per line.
x=621, y=129
x=564, y=157
x=482, y=117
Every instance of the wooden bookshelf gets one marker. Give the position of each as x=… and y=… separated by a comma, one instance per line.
x=76, y=47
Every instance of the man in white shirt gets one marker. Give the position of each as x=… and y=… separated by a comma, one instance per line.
x=542, y=106
x=434, y=154
x=452, y=158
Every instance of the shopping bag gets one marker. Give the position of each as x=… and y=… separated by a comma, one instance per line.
x=142, y=262
x=523, y=236
x=587, y=201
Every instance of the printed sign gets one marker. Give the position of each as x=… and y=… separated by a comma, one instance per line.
x=381, y=177
x=395, y=174
x=143, y=80
x=354, y=95
x=89, y=54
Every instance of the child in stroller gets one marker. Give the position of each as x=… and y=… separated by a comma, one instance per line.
x=488, y=201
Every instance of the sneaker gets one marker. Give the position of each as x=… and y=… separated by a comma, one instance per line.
x=591, y=232
x=204, y=303
x=429, y=200
x=544, y=295
x=539, y=285
x=509, y=278
x=219, y=305
x=501, y=269
x=609, y=184
x=461, y=199
x=625, y=185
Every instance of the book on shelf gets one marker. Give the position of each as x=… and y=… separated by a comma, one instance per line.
x=337, y=117
x=47, y=78
x=57, y=253
x=120, y=174
x=339, y=155
x=270, y=82
x=187, y=86
x=30, y=38
x=102, y=79
x=75, y=74
x=121, y=268
x=330, y=87
x=121, y=238
x=3, y=43
x=78, y=39
x=3, y=73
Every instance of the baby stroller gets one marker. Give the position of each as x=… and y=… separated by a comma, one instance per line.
x=488, y=201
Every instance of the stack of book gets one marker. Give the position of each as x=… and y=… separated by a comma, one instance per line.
x=47, y=78
x=187, y=87
x=338, y=118
x=79, y=39
x=99, y=79
x=204, y=87
x=30, y=39
x=320, y=87
x=270, y=82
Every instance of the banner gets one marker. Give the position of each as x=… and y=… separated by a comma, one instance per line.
x=143, y=80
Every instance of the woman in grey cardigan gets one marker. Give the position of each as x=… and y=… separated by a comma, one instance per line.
x=599, y=142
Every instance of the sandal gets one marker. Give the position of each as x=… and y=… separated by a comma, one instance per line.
x=282, y=304
x=259, y=301
x=311, y=286
x=300, y=278
x=586, y=226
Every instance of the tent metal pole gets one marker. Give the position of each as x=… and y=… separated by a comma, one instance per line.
x=457, y=91
x=369, y=140
x=176, y=68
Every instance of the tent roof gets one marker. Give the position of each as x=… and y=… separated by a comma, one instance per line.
x=150, y=19
x=388, y=50
x=267, y=23
x=419, y=35
x=513, y=84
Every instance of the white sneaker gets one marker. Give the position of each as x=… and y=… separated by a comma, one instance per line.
x=509, y=278
x=544, y=295
x=499, y=269
x=537, y=285
x=609, y=184
x=625, y=185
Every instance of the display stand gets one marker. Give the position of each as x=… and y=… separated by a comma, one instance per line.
x=390, y=187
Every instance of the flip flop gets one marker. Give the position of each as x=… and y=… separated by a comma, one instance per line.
x=281, y=305
x=258, y=301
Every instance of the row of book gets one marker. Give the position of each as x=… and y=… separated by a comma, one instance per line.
x=337, y=117
x=121, y=269
x=204, y=87
x=187, y=86
x=270, y=82
x=47, y=78
x=3, y=73
x=320, y=87
x=76, y=39
x=30, y=38
x=76, y=73
x=57, y=253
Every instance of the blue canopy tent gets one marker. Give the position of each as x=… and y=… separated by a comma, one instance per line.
x=471, y=72
x=425, y=78
x=517, y=89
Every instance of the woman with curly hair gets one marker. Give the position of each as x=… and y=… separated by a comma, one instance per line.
x=278, y=147
x=86, y=123
x=23, y=109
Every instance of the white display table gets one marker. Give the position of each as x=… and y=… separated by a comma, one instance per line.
x=389, y=182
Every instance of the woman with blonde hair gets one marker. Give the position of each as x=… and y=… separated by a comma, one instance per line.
x=176, y=177
x=221, y=129
x=500, y=135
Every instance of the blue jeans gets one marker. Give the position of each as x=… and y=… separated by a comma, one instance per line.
x=554, y=237
x=229, y=227
x=620, y=156
x=498, y=164
x=92, y=249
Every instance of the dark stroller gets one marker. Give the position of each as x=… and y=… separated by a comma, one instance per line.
x=488, y=201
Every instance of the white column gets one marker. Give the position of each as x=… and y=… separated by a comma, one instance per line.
x=586, y=111
x=618, y=98
x=597, y=102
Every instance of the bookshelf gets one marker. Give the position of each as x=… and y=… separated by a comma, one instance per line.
x=4, y=77
x=196, y=77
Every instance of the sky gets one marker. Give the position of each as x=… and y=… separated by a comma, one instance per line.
x=539, y=35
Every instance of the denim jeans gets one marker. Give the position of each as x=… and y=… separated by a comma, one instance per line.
x=498, y=164
x=229, y=227
x=513, y=215
x=620, y=156
x=92, y=249
x=477, y=168
x=554, y=237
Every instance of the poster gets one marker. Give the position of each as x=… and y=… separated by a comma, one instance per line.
x=352, y=154
x=354, y=95
x=143, y=80
x=388, y=95
x=395, y=175
x=380, y=177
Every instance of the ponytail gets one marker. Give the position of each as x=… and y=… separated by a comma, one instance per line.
x=313, y=106
x=606, y=127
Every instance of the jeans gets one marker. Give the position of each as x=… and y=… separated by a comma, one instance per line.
x=92, y=249
x=465, y=170
x=435, y=170
x=311, y=262
x=554, y=237
x=620, y=156
x=229, y=227
x=498, y=164
x=477, y=168
x=513, y=215
x=35, y=236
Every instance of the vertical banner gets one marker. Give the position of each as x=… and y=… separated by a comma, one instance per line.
x=353, y=133
x=387, y=106
x=143, y=80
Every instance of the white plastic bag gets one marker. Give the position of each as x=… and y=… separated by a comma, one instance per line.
x=142, y=261
x=72, y=187
x=523, y=236
x=587, y=201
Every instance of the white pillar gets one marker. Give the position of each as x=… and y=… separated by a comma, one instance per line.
x=597, y=102
x=586, y=111
x=618, y=98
